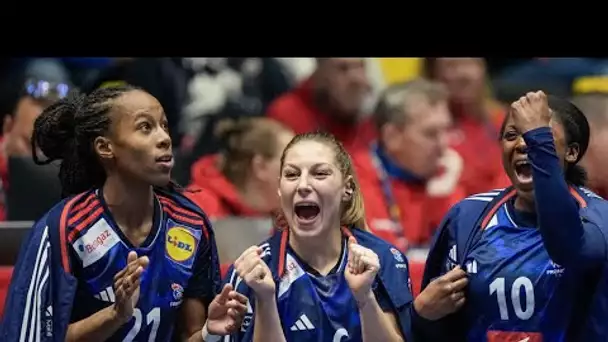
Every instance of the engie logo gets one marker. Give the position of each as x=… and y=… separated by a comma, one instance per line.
x=180, y=244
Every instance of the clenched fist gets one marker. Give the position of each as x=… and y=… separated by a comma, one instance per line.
x=363, y=265
x=531, y=112
x=255, y=272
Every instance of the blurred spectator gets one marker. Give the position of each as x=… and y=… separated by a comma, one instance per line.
x=477, y=120
x=409, y=179
x=591, y=96
x=18, y=125
x=230, y=87
x=243, y=179
x=298, y=68
x=333, y=99
x=552, y=75
x=163, y=78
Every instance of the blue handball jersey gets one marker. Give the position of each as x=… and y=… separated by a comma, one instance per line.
x=516, y=292
x=313, y=307
x=181, y=266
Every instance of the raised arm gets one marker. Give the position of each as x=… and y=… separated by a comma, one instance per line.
x=568, y=241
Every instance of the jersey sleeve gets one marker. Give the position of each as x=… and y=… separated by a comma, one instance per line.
x=40, y=295
x=393, y=290
x=382, y=297
x=568, y=241
x=205, y=281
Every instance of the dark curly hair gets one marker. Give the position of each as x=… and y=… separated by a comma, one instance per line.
x=66, y=131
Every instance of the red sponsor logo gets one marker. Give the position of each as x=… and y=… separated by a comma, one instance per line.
x=99, y=240
x=514, y=336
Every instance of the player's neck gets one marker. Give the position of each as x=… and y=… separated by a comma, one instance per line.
x=253, y=196
x=524, y=204
x=131, y=203
x=321, y=252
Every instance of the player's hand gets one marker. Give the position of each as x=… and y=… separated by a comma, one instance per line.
x=126, y=286
x=226, y=312
x=255, y=272
x=360, y=273
x=531, y=111
x=443, y=295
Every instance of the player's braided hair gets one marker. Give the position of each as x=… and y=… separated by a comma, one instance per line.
x=66, y=131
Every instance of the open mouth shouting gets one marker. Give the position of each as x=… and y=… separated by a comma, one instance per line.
x=306, y=212
x=523, y=171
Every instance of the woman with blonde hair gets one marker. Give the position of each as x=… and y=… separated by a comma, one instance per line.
x=322, y=276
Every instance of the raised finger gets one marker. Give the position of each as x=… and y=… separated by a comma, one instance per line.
x=223, y=296
x=143, y=261
x=132, y=256
x=127, y=269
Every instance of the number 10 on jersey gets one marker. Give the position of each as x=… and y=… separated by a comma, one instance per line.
x=522, y=307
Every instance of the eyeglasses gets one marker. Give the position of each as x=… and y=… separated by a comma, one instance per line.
x=40, y=89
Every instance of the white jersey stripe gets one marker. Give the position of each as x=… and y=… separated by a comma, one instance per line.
x=484, y=199
x=28, y=316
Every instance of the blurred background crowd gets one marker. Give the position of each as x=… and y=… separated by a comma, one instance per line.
x=423, y=132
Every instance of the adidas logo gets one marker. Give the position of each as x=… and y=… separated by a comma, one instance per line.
x=302, y=324
x=471, y=267
x=106, y=295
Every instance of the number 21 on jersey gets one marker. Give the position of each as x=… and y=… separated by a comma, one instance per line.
x=152, y=318
x=521, y=295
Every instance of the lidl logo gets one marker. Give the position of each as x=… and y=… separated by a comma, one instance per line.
x=180, y=244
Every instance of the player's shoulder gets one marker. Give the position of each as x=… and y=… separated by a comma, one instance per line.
x=79, y=213
x=594, y=207
x=378, y=245
x=476, y=203
x=591, y=198
x=182, y=210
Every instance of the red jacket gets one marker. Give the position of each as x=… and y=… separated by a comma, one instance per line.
x=217, y=196
x=296, y=110
x=479, y=146
x=420, y=215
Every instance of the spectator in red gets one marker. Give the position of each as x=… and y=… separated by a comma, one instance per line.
x=477, y=120
x=331, y=100
x=409, y=179
x=243, y=179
